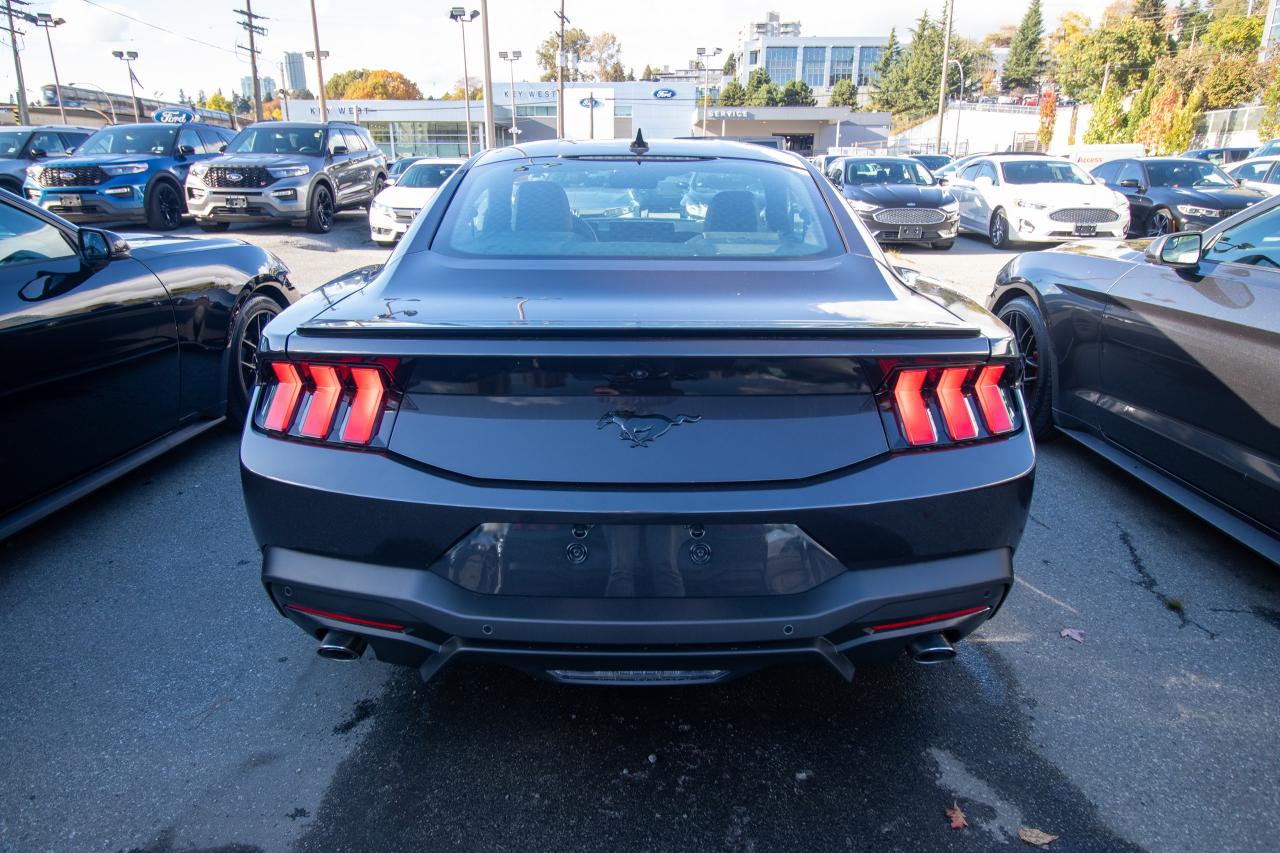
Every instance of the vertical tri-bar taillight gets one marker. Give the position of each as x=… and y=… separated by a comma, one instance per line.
x=337, y=403
x=932, y=406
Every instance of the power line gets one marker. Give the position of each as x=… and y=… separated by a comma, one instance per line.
x=162, y=29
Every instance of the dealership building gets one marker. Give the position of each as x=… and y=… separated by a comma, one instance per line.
x=594, y=111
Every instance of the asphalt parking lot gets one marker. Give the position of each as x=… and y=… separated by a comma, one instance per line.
x=154, y=701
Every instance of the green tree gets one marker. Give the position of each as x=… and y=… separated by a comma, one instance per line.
x=1240, y=35
x=797, y=93
x=891, y=50
x=1141, y=107
x=335, y=88
x=218, y=101
x=759, y=79
x=768, y=95
x=576, y=41
x=1183, y=127
x=615, y=73
x=730, y=65
x=1153, y=129
x=1128, y=49
x=733, y=94
x=843, y=94
x=1231, y=82
x=1151, y=10
x=910, y=88
x=1269, y=121
x=647, y=73
x=1025, y=64
x=1107, y=124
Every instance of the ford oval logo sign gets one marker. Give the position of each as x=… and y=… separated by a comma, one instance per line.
x=235, y=177
x=664, y=94
x=591, y=102
x=174, y=115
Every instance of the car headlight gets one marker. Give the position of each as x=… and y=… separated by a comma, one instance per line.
x=115, y=169
x=199, y=170
x=1030, y=205
x=863, y=206
x=33, y=172
x=1202, y=212
x=296, y=170
x=950, y=207
x=381, y=209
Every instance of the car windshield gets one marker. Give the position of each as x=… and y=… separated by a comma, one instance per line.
x=863, y=172
x=427, y=175
x=399, y=166
x=1187, y=173
x=1044, y=172
x=278, y=139
x=616, y=208
x=933, y=162
x=12, y=143
x=131, y=139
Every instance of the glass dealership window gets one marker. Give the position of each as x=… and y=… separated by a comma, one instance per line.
x=780, y=64
x=868, y=58
x=841, y=65
x=815, y=60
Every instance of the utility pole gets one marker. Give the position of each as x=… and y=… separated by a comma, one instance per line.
x=1106, y=78
x=946, y=61
x=284, y=94
x=17, y=62
x=253, y=30
x=488, y=76
x=956, y=146
x=561, y=59
x=319, y=56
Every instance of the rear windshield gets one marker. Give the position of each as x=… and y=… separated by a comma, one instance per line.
x=278, y=140
x=427, y=175
x=607, y=208
x=1044, y=172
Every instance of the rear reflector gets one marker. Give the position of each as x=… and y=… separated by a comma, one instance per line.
x=284, y=398
x=917, y=424
x=341, y=617
x=995, y=409
x=925, y=620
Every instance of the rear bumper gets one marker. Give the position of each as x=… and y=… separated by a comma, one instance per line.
x=649, y=640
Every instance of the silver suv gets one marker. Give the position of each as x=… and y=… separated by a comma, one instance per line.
x=297, y=171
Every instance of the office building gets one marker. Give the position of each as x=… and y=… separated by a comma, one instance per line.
x=295, y=72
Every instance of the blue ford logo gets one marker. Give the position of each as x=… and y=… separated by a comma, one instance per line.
x=664, y=94
x=591, y=102
x=173, y=115
x=235, y=177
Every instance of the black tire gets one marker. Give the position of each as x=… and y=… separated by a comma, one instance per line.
x=164, y=207
x=1162, y=222
x=943, y=245
x=1023, y=318
x=379, y=184
x=246, y=335
x=998, y=231
x=211, y=226
x=320, y=211
x=12, y=186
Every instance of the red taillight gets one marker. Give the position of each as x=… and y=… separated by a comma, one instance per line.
x=995, y=409
x=341, y=617
x=284, y=397
x=925, y=620
x=324, y=396
x=917, y=423
x=367, y=405
x=955, y=407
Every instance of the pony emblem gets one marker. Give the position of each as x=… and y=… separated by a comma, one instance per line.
x=641, y=430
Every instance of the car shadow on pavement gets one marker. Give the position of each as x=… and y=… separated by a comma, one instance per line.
x=487, y=758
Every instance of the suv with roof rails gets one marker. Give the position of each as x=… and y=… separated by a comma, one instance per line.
x=290, y=170
x=21, y=147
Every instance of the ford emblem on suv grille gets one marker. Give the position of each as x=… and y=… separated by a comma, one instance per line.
x=67, y=176
x=235, y=177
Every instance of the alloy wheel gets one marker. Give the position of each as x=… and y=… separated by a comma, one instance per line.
x=247, y=352
x=170, y=208
x=1028, y=349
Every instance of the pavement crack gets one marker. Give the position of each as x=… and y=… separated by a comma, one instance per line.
x=1266, y=614
x=1148, y=582
x=1038, y=521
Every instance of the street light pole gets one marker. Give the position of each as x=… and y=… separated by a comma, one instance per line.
x=511, y=59
x=318, y=55
x=47, y=22
x=459, y=14
x=17, y=64
x=703, y=53
x=946, y=62
x=955, y=146
x=561, y=60
x=488, y=76
x=129, y=57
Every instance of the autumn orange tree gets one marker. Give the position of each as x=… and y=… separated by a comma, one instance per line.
x=383, y=85
x=1153, y=132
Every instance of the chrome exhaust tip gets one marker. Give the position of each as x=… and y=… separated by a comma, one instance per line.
x=339, y=645
x=930, y=648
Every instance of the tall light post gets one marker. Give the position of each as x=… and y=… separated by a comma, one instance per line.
x=955, y=146
x=560, y=64
x=946, y=63
x=511, y=59
x=105, y=94
x=703, y=53
x=128, y=57
x=459, y=14
x=319, y=56
x=47, y=22
x=487, y=75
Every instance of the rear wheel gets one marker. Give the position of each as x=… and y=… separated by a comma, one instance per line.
x=320, y=212
x=1162, y=222
x=1023, y=318
x=164, y=207
x=378, y=186
x=211, y=226
x=251, y=319
x=999, y=231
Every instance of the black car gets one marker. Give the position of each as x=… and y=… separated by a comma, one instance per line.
x=1219, y=156
x=1168, y=194
x=680, y=448
x=115, y=351
x=898, y=200
x=1160, y=356
x=932, y=162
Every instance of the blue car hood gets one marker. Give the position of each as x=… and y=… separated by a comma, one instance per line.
x=101, y=159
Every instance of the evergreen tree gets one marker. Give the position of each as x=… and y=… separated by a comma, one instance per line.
x=730, y=65
x=890, y=54
x=647, y=73
x=798, y=94
x=1026, y=54
x=758, y=80
x=843, y=94
x=910, y=87
x=1150, y=10
x=733, y=94
x=768, y=95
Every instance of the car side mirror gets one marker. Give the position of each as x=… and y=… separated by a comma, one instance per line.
x=186, y=150
x=222, y=148
x=1130, y=183
x=944, y=181
x=1181, y=250
x=38, y=153
x=391, y=180
x=99, y=248
x=70, y=151
x=339, y=149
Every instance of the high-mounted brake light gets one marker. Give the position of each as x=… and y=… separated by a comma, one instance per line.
x=930, y=406
x=340, y=403
x=916, y=420
x=995, y=409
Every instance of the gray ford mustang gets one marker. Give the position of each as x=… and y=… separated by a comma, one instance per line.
x=1161, y=356
x=637, y=446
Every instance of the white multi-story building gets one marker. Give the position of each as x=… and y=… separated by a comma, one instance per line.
x=821, y=61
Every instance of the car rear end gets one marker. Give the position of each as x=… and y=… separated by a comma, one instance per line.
x=627, y=471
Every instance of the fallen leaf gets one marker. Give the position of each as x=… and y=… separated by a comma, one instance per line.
x=1035, y=836
x=1073, y=634
x=956, y=816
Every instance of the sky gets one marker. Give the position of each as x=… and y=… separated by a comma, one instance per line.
x=417, y=38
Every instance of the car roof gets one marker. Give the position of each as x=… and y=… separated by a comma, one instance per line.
x=48, y=127
x=1022, y=157
x=901, y=158
x=692, y=148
